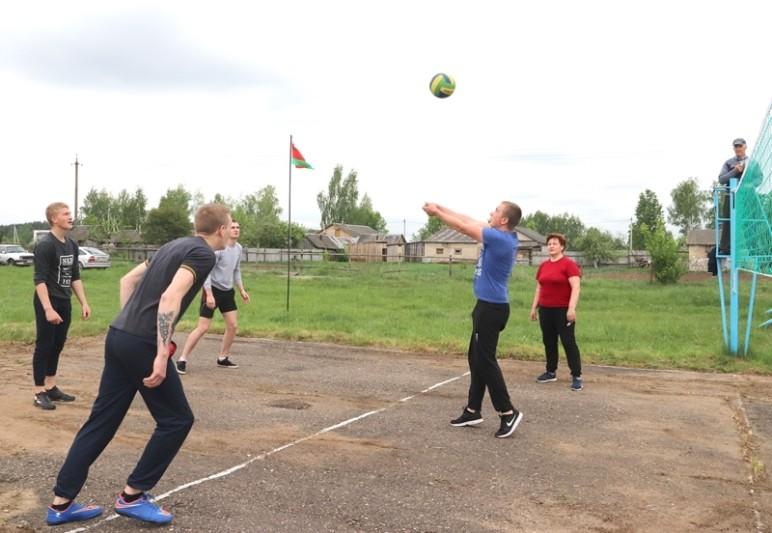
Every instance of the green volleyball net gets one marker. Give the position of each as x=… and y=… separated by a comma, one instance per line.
x=753, y=206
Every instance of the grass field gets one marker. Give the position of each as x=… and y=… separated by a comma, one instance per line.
x=622, y=318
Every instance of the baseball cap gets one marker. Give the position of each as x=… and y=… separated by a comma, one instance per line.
x=738, y=141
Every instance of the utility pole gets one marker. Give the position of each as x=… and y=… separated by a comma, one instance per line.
x=404, y=227
x=75, y=213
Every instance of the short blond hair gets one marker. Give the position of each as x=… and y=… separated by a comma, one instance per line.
x=210, y=217
x=53, y=209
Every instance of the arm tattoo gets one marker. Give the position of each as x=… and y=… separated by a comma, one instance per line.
x=166, y=326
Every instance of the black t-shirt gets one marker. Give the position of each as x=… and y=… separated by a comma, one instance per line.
x=56, y=265
x=140, y=314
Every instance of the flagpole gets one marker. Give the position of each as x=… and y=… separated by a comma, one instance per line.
x=289, y=224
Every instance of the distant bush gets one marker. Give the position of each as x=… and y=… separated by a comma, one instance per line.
x=667, y=264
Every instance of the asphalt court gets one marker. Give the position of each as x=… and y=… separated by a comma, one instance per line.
x=315, y=437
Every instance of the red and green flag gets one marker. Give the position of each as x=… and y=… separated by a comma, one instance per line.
x=298, y=160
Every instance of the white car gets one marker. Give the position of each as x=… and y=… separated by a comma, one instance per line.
x=92, y=258
x=13, y=254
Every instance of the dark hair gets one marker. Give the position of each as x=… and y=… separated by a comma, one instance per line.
x=513, y=213
x=559, y=236
x=210, y=217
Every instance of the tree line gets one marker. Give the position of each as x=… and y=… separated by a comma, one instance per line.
x=107, y=216
x=259, y=215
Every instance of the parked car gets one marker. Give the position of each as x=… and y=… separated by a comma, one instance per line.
x=93, y=258
x=13, y=254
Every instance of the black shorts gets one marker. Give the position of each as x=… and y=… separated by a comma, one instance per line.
x=225, y=301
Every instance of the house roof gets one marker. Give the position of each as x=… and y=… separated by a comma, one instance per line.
x=451, y=235
x=354, y=229
x=531, y=234
x=701, y=237
x=126, y=236
x=324, y=242
x=395, y=238
x=79, y=233
x=391, y=238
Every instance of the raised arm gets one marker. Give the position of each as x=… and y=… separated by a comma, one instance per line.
x=463, y=223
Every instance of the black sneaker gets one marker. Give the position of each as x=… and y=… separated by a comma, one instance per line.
x=547, y=377
x=224, y=362
x=43, y=401
x=182, y=367
x=57, y=395
x=509, y=424
x=577, y=384
x=467, y=419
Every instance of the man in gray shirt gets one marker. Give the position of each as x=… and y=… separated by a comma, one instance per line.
x=733, y=168
x=219, y=293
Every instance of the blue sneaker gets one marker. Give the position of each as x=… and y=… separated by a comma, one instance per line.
x=143, y=508
x=74, y=513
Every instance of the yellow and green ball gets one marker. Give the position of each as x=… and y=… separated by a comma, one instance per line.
x=442, y=85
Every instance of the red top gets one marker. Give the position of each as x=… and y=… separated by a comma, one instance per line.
x=554, y=289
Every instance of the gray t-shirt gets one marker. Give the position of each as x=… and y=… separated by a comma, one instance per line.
x=140, y=314
x=227, y=270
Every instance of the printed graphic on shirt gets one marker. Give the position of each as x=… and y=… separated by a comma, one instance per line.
x=65, y=270
x=479, y=266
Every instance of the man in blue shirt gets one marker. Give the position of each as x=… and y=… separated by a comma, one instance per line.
x=491, y=312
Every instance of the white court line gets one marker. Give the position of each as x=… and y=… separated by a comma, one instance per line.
x=279, y=449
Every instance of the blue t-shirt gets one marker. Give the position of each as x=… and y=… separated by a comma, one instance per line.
x=494, y=266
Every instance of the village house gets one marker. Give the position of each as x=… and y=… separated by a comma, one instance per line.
x=450, y=245
x=698, y=243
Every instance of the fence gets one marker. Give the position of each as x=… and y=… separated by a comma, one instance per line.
x=139, y=253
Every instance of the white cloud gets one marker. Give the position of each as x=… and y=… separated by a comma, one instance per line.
x=560, y=106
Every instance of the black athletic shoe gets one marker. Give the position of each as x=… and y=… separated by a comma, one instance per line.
x=509, y=424
x=226, y=363
x=467, y=419
x=182, y=367
x=547, y=377
x=43, y=401
x=57, y=395
x=577, y=384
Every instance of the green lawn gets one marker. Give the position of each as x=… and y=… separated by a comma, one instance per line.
x=623, y=319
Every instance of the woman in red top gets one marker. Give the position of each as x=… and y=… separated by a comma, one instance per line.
x=557, y=293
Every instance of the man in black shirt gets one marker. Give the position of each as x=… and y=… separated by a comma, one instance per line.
x=57, y=276
x=153, y=295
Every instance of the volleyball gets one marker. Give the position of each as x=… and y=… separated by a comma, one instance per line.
x=442, y=85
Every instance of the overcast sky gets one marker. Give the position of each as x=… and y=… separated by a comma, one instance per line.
x=560, y=106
